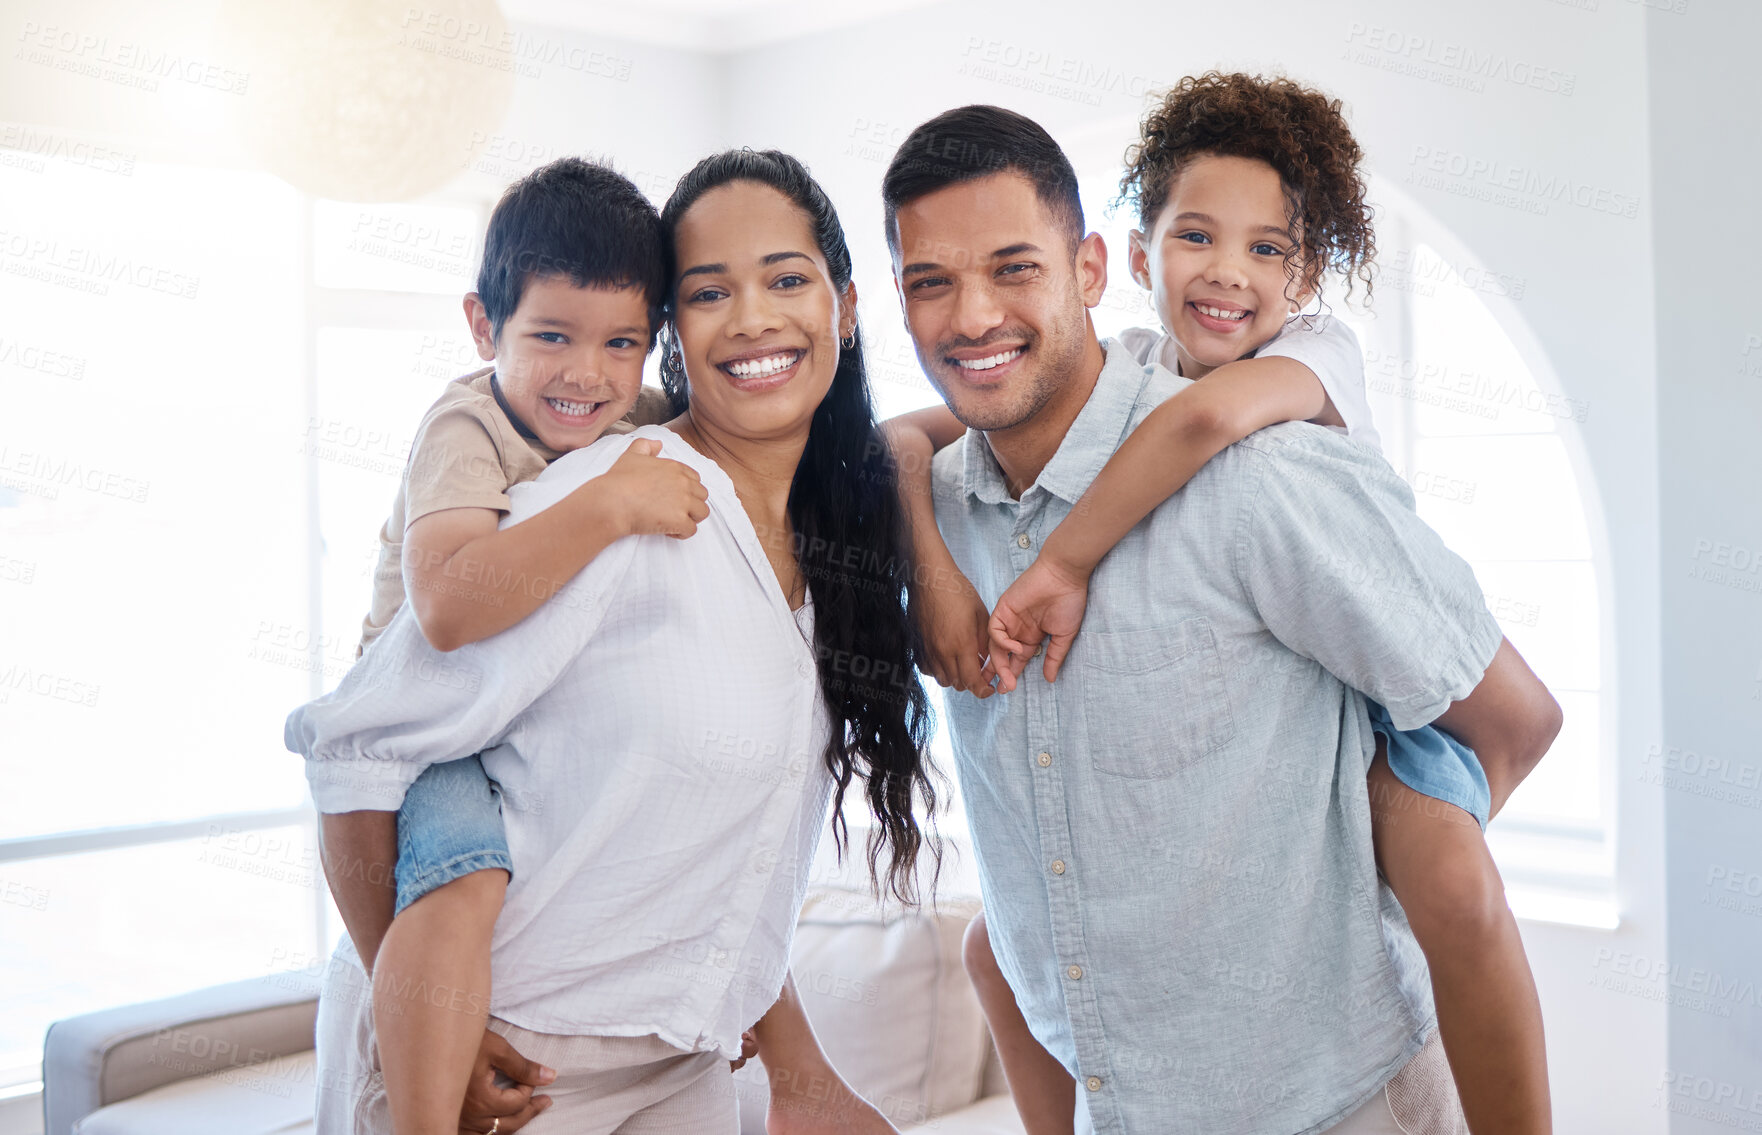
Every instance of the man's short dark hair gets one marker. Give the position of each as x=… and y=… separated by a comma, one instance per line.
x=577, y=219
x=977, y=141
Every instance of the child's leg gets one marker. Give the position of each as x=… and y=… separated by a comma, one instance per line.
x=1436, y=861
x=1045, y=1094
x=807, y=1093
x=431, y=1000
x=431, y=985
x=359, y=850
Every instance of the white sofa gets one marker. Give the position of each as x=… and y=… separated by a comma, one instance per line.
x=885, y=990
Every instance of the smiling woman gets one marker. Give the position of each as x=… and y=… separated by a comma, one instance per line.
x=792, y=295
x=614, y=697
x=764, y=335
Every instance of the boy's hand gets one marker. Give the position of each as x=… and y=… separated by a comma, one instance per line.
x=486, y=1103
x=655, y=495
x=1046, y=601
x=952, y=618
x=749, y=1048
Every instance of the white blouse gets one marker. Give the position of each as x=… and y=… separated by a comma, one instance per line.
x=657, y=730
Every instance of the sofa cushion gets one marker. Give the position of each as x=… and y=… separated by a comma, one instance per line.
x=891, y=1004
x=271, y=1098
x=992, y=1115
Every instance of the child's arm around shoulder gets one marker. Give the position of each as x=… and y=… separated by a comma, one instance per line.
x=1168, y=448
x=949, y=612
x=1174, y=442
x=915, y=438
x=466, y=578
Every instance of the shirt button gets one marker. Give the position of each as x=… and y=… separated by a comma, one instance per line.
x=1043, y=759
x=1058, y=867
x=1022, y=540
x=1093, y=1083
x=1075, y=973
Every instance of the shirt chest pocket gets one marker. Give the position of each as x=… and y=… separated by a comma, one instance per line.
x=1155, y=698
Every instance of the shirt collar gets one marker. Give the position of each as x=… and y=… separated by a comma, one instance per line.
x=520, y=427
x=1090, y=441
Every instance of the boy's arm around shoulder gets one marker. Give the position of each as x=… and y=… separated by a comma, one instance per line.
x=404, y=705
x=467, y=578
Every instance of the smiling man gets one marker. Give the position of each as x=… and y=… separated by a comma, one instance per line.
x=1174, y=840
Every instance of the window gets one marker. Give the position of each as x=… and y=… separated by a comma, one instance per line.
x=1489, y=443
x=153, y=569
x=207, y=403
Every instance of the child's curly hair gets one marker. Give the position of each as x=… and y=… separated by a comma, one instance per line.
x=1298, y=131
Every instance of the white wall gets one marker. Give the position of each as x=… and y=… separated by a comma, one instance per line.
x=1706, y=121
x=843, y=100
x=573, y=92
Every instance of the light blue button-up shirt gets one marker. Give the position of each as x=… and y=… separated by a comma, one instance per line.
x=1174, y=840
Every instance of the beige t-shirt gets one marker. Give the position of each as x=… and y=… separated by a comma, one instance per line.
x=466, y=454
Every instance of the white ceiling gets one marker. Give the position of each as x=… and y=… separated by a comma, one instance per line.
x=716, y=26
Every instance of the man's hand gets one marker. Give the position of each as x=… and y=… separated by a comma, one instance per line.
x=1046, y=601
x=952, y=618
x=485, y=1103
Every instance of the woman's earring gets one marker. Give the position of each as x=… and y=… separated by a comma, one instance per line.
x=848, y=342
x=674, y=361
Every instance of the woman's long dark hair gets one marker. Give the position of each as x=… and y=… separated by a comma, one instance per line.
x=845, y=511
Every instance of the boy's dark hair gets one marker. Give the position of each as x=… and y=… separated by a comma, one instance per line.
x=1297, y=130
x=577, y=219
x=977, y=141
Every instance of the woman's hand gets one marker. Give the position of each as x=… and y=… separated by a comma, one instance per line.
x=486, y=1103
x=1045, y=603
x=952, y=619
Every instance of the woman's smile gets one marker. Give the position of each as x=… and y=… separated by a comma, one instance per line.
x=765, y=370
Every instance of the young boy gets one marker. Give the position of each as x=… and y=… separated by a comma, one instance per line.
x=1240, y=220
x=570, y=297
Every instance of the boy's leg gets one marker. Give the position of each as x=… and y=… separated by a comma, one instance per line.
x=431, y=986
x=360, y=850
x=1436, y=861
x=431, y=1000
x=1045, y=1094
x=807, y=1093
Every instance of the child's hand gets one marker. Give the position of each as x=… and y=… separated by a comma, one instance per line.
x=952, y=619
x=1046, y=601
x=749, y=1048
x=654, y=495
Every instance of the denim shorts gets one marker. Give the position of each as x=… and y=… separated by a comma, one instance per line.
x=449, y=826
x=1435, y=764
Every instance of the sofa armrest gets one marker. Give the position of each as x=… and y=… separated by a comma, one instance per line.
x=100, y=1058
